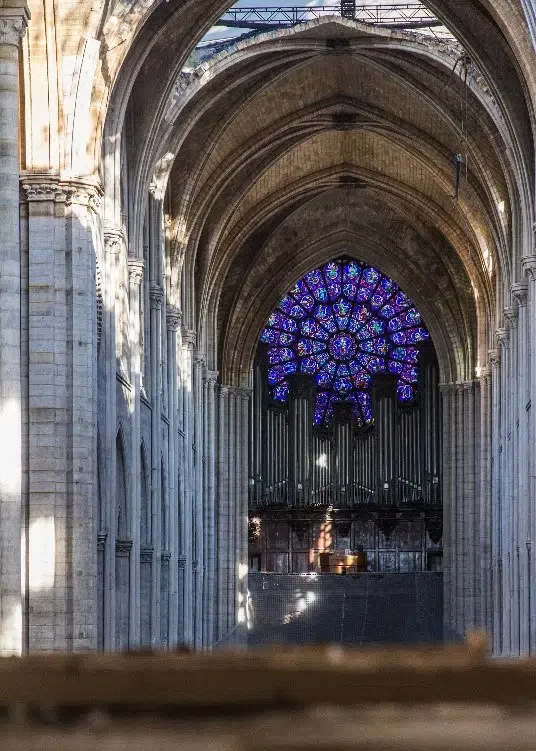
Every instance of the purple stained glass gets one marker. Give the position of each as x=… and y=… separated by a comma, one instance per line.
x=280, y=393
x=343, y=323
x=279, y=354
x=274, y=337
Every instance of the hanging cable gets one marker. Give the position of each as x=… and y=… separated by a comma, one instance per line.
x=461, y=157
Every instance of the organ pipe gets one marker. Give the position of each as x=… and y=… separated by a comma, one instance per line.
x=296, y=463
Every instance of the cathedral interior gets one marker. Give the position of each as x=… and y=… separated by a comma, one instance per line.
x=267, y=323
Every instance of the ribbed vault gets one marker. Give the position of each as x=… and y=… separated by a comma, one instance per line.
x=250, y=141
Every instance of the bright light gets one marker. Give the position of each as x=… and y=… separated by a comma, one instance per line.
x=10, y=447
x=242, y=571
x=11, y=631
x=501, y=206
x=42, y=548
x=301, y=605
x=310, y=597
x=322, y=461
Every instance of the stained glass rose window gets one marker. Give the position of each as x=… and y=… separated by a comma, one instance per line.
x=343, y=323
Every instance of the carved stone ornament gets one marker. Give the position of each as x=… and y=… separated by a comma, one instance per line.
x=520, y=293
x=494, y=358
x=503, y=337
x=189, y=337
x=157, y=296
x=13, y=28
x=123, y=547
x=182, y=562
x=529, y=266
x=135, y=271
x=211, y=377
x=38, y=188
x=146, y=554
x=510, y=316
x=173, y=319
x=113, y=240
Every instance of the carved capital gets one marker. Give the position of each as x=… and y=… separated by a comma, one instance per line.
x=189, y=337
x=157, y=296
x=41, y=187
x=529, y=266
x=243, y=394
x=13, y=25
x=502, y=336
x=146, y=554
x=447, y=388
x=82, y=192
x=182, y=561
x=113, y=240
x=173, y=319
x=510, y=316
x=101, y=540
x=123, y=547
x=520, y=293
x=211, y=377
x=494, y=358
x=135, y=271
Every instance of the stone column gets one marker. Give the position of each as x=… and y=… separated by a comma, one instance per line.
x=188, y=344
x=199, y=498
x=113, y=242
x=244, y=396
x=496, y=554
x=222, y=504
x=135, y=270
x=173, y=321
x=485, y=512
x=519, y=292
x=449, y=511
x=12, y=28
x=62, y=412
x=157, y=298
x=503, y=340
x=529, y=267
x=210, y=491
x=512, y=498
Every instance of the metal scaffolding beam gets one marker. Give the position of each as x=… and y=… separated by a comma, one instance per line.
x=399, y=16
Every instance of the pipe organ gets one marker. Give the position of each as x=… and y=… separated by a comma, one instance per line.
x=385, y=473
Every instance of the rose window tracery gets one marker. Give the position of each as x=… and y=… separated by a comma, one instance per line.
x=344, y=323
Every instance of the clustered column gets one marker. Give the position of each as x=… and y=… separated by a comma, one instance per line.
x=12, y=28
x=461, y=499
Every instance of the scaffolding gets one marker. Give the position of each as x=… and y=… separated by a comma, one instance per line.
x=395, y=16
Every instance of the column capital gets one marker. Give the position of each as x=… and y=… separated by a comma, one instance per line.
x=40, y=186
x=113, y=240
x=173, y=319
x=502, y=336
x=447, y=388
x=520, y=293
x=529, y=266
x=211, y=377
x=135, y=271
x=157, y=296
x=86, y=192
x=242, y=393
x=189, y=337
x=494, y=358
x=510, y=316
x=200, y=359
x=13, y=25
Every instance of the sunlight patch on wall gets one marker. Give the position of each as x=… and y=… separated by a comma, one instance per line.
x=42, y=550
